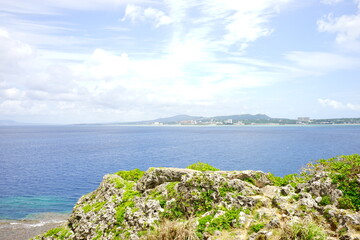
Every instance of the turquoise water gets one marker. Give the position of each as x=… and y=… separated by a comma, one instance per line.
x=47, y=168
x=32, y=207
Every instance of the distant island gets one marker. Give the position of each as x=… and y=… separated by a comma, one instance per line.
x=242, y=119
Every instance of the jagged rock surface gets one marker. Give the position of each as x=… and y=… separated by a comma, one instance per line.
x=247, y=200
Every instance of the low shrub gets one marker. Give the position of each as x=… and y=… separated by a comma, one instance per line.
x=325, y=200
x=292, y=179
x=199, y=166
x=343, y=172
x=223, y=222
x=132, y=175
x=256, y=227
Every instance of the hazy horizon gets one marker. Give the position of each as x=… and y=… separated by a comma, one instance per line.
x=122, y=61
x=9, y=122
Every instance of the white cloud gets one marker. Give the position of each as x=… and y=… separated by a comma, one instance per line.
x=241, y=23
x=113, y=84
x=137, y=13
x=159, y=16
x=338, y=105
x=331, y=2
x=12, y=93
x=12, y=49
x=322, y=62
x=197, y=63
x=133, y=13
x=54, y=6
x=346, y=28
x=245, y=28
x=29, y=85
x=103, y=64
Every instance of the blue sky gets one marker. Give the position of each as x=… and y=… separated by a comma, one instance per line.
x=120, y=60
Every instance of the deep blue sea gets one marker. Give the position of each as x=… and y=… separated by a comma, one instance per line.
x=47, y=168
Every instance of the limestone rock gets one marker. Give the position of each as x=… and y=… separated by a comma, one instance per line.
x=215, y=202
x=156, y=176
x=259, y=178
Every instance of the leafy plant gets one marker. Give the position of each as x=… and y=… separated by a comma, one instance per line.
x=199, y=166
x=170, y=188
x=132, y=175
x=256, y=227
x=325, y=200
x=249, y=180
x=343, y=172
x=292, y=179
x=223, y=222
x=127, y=201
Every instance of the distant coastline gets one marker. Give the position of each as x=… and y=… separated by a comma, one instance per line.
x=213, y=125
x=239, y=120
x=231, y=120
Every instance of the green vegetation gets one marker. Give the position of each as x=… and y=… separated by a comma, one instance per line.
x=296, y=197
x=173, y=212
x=58, y=233
x=121, y=209
x=256, y=227
x=132, y=175
x=325, y=200
x=303, y=231
x=127, y=201
x=197, y=207
x=226, y=189
x=158, y=196
x=203, y=202
x=171, y=192
x=343, y=172
x=223, y=222
x=336, y=121
x=249, y=180
x=292, y=179
x=118, y=182
x=99, y=234
x=199, y=166
x=93, y=207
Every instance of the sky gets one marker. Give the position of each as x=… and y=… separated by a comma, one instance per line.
x=127, y=60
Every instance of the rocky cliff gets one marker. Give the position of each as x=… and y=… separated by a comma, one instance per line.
x=204, y=203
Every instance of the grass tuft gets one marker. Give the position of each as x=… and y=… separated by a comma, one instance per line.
x=303, y=231
x=173, y=230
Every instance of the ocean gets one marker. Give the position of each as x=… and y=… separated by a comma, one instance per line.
x=45, y=169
